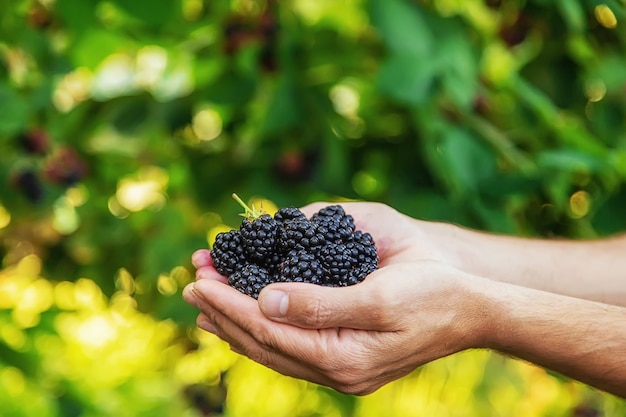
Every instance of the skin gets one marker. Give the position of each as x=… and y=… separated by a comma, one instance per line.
x=435, y=294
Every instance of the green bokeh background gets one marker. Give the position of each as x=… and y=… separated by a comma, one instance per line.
x=126, y=125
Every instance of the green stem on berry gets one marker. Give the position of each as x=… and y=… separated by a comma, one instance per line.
x=251, y=213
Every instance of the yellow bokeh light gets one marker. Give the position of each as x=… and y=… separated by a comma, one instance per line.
x=96, y=332
x=12, y=381
x=37, y=297
x=166, y=285
x=73, y=89
x=5, y=217
x=595, y=90
x=207, y=124
x=65, y=220
x=139, y=195
x=215, y=230
x=605, y=16
x=29, y=265
x=77, y=196
x=13, y=336
x=88, y=295
x=249, y=7
x=114, y=77
x=498, y=64
x=116, y=208
x=151, y=64
x=192, y=9
x=346, y=100
x=181, y=275
x=65, y=296
x=123, y=305
x=145, y=190
x=124, y=281
x=579, y=204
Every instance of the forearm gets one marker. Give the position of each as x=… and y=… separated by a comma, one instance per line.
x=593, y=270
x=580, y=339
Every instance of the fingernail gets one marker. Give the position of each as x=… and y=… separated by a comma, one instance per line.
x=274, y=303
x=188, y=294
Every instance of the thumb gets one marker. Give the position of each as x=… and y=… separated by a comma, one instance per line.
x=318, y=307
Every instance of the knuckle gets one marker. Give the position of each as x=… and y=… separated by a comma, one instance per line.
x=314, y=314
x=382, y=307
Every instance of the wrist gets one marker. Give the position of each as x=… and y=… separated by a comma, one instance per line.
x=479, y=313
x=453, y=242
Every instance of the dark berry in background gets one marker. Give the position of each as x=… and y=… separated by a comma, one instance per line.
x=288, y=247
x=29, y=184
x=34, y=142
x=65, y=167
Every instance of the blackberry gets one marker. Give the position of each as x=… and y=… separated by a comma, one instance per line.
x=259, y=237
x=228, y=254
x=34, y=142
x=251, y=279
x=336, y=228
x=337, y=261
x=364, y=257
x=324, y=250
x=30, y=185
x=302, y=266
x=289, y=213
x=334, y=210
x=299, y=234
x=349, y=264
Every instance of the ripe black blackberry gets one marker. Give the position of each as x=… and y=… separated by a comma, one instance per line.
x=259, y=236
x=334, y=223
x=228, y=253
x=289, y=213
x=299, y=234
x=364, y=256
x=324, y=250
x=251, y=279
x=302, y=266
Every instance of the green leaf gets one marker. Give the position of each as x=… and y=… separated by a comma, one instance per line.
x=283, y=109
x=14, y=111
x=154, y=12
x=77, y=14
x=407, y=78
x=85, y=54
x=465, y=162
x=573, y=14
x=402, y=26
x=570, y=160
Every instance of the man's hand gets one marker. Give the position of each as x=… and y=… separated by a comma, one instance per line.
x=429, y=300
x=353, y=339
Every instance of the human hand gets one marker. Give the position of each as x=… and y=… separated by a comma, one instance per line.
x=354, y=339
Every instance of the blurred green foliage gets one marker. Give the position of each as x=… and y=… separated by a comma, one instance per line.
x=125, y=127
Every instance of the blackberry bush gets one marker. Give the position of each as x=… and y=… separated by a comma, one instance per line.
x=289, y=247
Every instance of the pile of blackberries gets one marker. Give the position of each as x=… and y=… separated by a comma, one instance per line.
x=325, y=250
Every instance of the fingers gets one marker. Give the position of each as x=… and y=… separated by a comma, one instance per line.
x=201, y=257
x=209, y=272
x=250, y=333
x=202, y=261
x=310, y=306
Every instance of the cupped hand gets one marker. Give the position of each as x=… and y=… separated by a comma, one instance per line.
x=354, y=339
